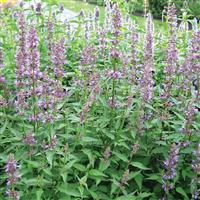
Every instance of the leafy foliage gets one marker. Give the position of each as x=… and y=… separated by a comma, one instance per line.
x=90, y=133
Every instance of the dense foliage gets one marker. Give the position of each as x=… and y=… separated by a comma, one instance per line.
x=98, y=111
x=157, y=6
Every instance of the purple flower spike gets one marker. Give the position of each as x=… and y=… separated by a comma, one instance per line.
x=148, y=66
x=58, y=57
x=11, y=167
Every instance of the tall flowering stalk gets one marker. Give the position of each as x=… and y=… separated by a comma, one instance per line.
x=190, y=70
x=108, y=13
x=196, y=169
x=88, y=65
x=33, y=72
x=146, y=7
x=91, y=21
x=96, y=18
x=58, y=57
x=91, y=99
x=148, y=66
x=50, y=29
x=134, y=52
x=172, y=52
x=170, y=166
x=172, y=18
x=114, y=51
x=21, y=64
x=2, y=78
x=189, y=115
x=102, y=43
x=11, y=171
x=91, y=79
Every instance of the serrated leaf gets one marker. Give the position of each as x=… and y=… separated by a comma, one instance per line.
x=39, y=194
x=70, y=190
x=121, y=156
x=3, y=128
x=139, y=165
x=49, y=156
x=182, y=192
x=95, y=172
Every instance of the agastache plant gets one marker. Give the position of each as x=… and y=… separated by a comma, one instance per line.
x=115, y=53
x=190, y=68
x=21, y=65
x=196, y=169
x=33, y=72
x=170, y=166
x=50, y=29
x=13, y=177
x=91, y=79
x=172, y=17
x=146, y=82
x=96, y=18
x=58, y=57
x=134, y=41
x=108, y=18
x=172, y=53
x=2, y=78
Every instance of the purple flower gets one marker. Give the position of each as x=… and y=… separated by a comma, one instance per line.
x=11, y=170
x=38, y=8
x=116, y=23
x=171, y=66
x=33, y=72
x=113, y=74
x=191, y=66
x=50, y=29
x=51, y=145
x=13, y=194
x=172, y=17
x=196, y=162
x=102, y=42
x=89, y=103
x=125, y=178
x=96, y=17
x=58, y=57
x=22, y=54
x=134, y=41
x=171, y=163
x=88, y=59
x=29, y=139
x=107, y=22
x=106, y=154
x=82, y=13
x=91, y=21
x=146, y=82
x=1, y=59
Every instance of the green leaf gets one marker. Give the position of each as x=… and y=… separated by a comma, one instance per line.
x=139, y=165
x=144, y=195
x=103, y=165
x=182, y=192
x=155, y=177
x=49, y=156
x=3, y=128
x=121, y=156
x=79, y=167
x=70, y=190
x=90, y=139
x=39, y=194
x=94, y=172
x=128, y=197
x=139, y=179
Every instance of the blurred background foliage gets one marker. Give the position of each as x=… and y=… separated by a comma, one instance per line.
x=156, y=6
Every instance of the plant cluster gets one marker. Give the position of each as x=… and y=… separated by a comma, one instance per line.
x=98, y=111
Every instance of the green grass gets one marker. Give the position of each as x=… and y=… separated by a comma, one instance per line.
x=77, y=6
